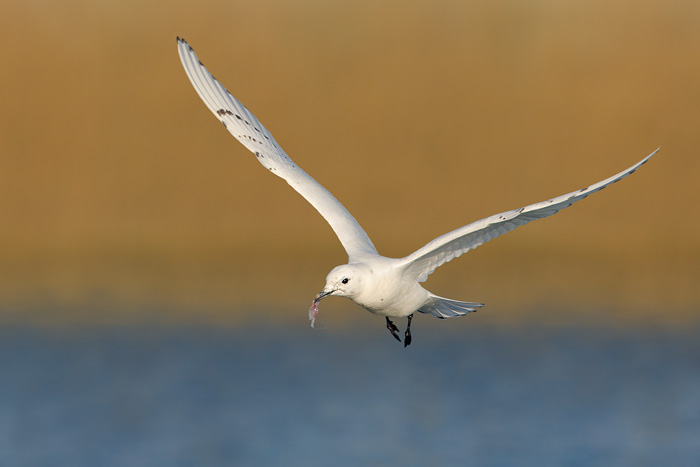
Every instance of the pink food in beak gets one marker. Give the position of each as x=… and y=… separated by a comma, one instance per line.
x=313, y=311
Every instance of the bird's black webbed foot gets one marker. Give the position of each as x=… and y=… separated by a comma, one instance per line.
x=393, y=329
x=407, y=334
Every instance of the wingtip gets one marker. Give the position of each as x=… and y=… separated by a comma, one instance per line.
x=182, y=41
x=651, y=155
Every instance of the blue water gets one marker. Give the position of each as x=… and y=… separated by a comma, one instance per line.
x=459, y=395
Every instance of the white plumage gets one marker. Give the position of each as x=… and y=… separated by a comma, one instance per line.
x=385, y=286
x=247, y=129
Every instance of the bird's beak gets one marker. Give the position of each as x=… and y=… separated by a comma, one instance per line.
x=323, y=293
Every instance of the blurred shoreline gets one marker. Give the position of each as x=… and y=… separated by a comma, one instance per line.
x=219, y=284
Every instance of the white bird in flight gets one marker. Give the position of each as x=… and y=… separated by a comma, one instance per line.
x=388, y=287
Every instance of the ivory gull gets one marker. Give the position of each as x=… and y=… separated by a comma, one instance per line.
x=388, y=287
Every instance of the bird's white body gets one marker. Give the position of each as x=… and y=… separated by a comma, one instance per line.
x=379, y=285
x=384, y=286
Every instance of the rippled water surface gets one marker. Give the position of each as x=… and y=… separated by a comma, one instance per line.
x=468, y=395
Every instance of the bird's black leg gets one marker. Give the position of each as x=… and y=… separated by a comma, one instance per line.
x=407, y=336
x=393, y=329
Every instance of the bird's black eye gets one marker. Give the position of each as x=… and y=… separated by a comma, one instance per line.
x=345, y=281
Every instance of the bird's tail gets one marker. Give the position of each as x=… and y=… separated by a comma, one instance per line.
x=446, y=308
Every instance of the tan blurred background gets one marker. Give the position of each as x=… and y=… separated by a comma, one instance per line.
x=123, y=199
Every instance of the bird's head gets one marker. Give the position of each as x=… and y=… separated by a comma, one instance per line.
x=342, y=281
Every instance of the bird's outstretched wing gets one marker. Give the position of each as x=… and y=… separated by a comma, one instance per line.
x=424, y=261
x=243, y=125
